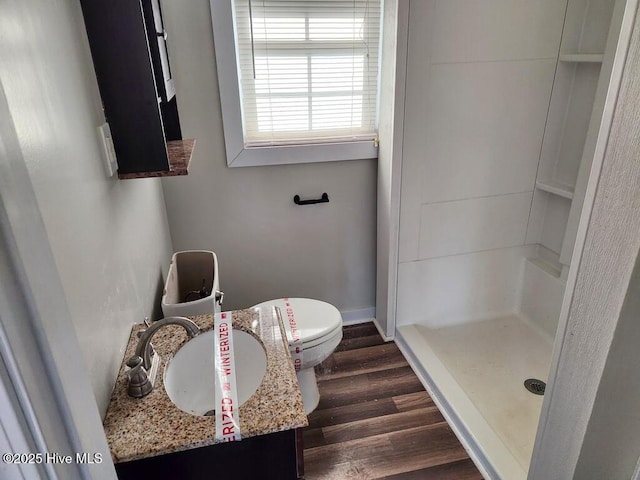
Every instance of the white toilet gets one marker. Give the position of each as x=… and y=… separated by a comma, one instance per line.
x=314, y=330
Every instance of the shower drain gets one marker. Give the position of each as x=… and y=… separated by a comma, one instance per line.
x=535, y=386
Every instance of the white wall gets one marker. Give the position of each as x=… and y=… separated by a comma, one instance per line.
x=390, y=130
x=446, y=291
x=267, y=247
x=541, y=297
x=109, y=238
x=479, y=78
x=612, y=444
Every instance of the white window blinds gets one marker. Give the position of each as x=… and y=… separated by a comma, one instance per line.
x=308, y=70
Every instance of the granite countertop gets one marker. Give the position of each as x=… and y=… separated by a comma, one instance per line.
x=138, y=428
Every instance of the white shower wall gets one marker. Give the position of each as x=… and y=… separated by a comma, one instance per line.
x=446, y=291
x=479, y=81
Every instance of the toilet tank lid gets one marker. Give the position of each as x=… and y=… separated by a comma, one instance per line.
x=314, y=318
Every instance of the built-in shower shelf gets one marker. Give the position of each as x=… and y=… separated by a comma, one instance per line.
x=555, y=188
x=550, y=268
x=581, y=57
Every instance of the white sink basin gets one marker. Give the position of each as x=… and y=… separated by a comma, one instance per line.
x=189, y=376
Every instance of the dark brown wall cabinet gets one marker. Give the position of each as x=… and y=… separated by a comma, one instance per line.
x=129, y=48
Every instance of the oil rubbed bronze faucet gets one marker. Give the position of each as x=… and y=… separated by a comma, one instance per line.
x=140, y=363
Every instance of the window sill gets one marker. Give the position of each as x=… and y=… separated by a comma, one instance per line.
x=284, y=155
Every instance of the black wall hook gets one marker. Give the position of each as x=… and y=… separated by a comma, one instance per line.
x=323, y=199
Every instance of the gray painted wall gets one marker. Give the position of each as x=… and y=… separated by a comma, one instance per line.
x=267, y=247
x=109, y=238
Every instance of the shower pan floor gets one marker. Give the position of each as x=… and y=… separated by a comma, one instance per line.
x=479, y=368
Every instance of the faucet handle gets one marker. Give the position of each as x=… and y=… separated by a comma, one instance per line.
x=134, y=362
x=139, y=384
x=219, y=297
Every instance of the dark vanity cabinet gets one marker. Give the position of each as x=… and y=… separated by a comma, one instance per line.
x=272, y=456
x=129, y=48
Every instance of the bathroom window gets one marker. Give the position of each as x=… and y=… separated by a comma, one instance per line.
x=298, y=79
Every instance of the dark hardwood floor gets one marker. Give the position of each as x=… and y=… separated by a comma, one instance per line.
x=376, y=421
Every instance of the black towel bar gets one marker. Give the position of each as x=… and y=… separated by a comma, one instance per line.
x=323, y=199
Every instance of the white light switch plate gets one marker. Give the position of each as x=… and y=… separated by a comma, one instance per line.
x=109, y=152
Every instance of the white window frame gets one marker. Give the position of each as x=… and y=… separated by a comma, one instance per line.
x=238, y=155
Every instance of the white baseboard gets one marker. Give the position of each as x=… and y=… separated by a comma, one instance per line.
x=381, y=331
x=355, y=317
x=364, y=315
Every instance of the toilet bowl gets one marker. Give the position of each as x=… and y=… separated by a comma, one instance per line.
x=314, y=330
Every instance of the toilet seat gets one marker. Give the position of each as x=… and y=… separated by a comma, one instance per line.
x=320, y=328
x=323, y=339
x=316, y=320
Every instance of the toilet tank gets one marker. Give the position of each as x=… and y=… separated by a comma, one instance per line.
x=192, y=286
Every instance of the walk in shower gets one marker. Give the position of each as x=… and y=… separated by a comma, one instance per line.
x=503, y=112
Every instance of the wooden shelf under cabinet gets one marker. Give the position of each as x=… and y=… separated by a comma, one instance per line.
x=179, y=153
